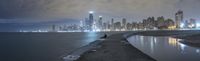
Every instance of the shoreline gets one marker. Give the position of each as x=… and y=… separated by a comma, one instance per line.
x=188, y=37
x=115, y=48
x=76, y=54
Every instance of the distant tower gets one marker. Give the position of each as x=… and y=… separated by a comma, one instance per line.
x=179, y=19
x=124, y=23
x=86, y=24
x=107, y=25
x=112, y=21
x=192, y=23
x=112, y=24
x=81, y=23
x=100, y=23
x=91, y=20
x=53, y=28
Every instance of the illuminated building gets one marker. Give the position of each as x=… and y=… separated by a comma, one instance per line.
x=86, y=25
x=112, y=24
x=91, y=20
x=192, y=23
x=124, y=23
x=100, y=23
x=179, y=19
x=53, y=28
x=117, y=26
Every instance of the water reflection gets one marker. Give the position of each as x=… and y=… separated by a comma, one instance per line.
x=173, y=42
x=165, y=48
x=197, y=51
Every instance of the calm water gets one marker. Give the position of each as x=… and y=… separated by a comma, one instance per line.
x=42, y=46
x=165, y=48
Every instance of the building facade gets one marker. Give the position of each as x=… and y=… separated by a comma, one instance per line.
x=179, y=19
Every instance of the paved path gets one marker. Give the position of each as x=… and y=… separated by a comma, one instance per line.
x=115, y=48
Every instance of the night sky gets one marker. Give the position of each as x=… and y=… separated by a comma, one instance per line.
x=23, y=11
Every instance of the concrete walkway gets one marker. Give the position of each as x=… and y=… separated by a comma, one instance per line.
x=115, y=48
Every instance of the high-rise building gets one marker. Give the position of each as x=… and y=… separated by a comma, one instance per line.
x=112, y=24
x=100, y=23
x=81, y=23
x=53, y=28
x=112, y=21
x=179, y=19
x=86, y=24
x=104, y=26
x=117, y=26
x=192, y=23
x=124, y=23
x=108, y=25
x=91, y=20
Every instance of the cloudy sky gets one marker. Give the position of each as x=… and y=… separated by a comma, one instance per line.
x=71, y=10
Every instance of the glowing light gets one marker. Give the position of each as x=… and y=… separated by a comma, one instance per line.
x=172, y=41
x=182, y=25
x=198, y=25
x=182, y=46
x=100, y=16
x=197, y=51
x=91, y=12
x=191, y=26
x=172, y=27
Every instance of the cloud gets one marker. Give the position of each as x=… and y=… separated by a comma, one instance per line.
x=77, y=9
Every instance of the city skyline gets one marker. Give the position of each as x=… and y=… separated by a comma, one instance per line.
x=99, y=24
x=19, y=11
x=100, y=30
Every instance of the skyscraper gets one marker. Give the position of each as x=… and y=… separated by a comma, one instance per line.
x=179, y=19
x=112, y=24
x=124, y=23
x=81, y=23
x=53, y=28
x=86, y=24
x=100, y=23
x=91, y=20
x=112, y=21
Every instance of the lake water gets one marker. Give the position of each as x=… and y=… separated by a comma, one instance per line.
x=165, y=48
x=42, y=46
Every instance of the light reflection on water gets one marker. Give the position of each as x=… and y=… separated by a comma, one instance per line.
x=165, y=48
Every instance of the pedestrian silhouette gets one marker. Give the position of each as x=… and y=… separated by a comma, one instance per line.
x=105, y=36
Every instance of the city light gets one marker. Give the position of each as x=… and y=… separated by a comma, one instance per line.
x=100, y=16
x=173, y=41
x=93, y=23
x=197, y=25
x=182, y=25
x=91, y=12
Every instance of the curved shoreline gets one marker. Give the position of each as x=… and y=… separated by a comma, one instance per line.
x=124, y=50
x=114, y=48
x=76, y=54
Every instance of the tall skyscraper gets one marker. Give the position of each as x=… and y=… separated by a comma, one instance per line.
x=81, y=23
x=112, y=24
x=192, y=23
x=91, y=20
x=86, y=24
x=100, y=23
x=53, y=28
x=112, y=21
x=179, y=19
x=124, y=23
